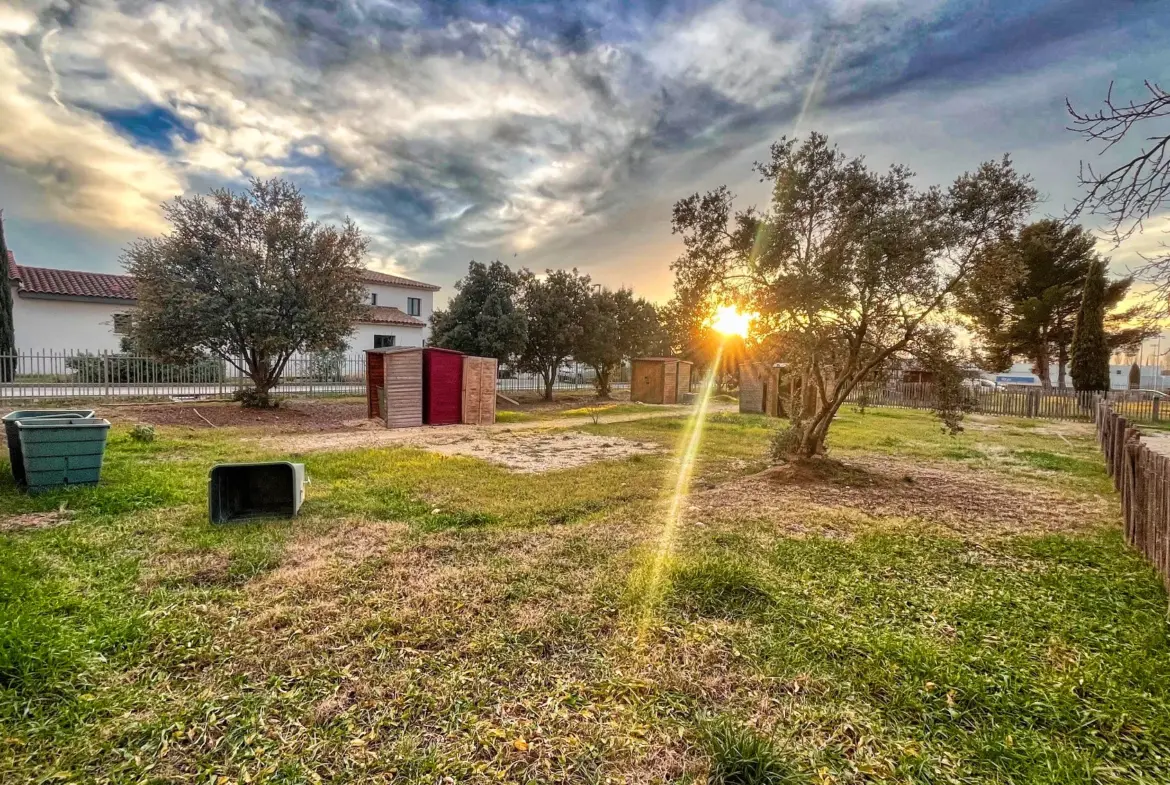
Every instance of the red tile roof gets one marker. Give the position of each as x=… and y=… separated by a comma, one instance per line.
x=77, y=283
x=70, y=283
x=371, y=276
x=386, y=314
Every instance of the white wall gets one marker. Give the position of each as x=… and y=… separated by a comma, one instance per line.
x=396, y=297
x=65, y=325
x=363, y=336
x=77, y=326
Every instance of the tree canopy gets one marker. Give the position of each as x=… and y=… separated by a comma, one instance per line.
x=1090, y=347
x=1023, y=301
x=555, y=308
x=617, y=326
x=248, y=278
x=484, y=318
x=848, y=268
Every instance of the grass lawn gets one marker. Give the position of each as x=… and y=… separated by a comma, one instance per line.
x=934, y=610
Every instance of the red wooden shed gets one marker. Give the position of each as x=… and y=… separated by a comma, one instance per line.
x=442, y=386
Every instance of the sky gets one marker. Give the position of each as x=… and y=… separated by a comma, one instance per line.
x=538, y=132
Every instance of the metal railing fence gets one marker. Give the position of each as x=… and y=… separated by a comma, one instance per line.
x=113, y=376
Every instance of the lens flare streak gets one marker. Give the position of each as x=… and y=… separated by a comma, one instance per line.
x=692, y=438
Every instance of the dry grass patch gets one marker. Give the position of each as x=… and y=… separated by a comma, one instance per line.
x=492, y=655
x=35, y=520
x=972, y=503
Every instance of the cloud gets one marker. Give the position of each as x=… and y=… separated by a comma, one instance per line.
x=93, y=177
x=444, y=127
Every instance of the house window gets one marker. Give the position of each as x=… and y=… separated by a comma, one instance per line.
x=122, y=324
x=414, y=306
x=373, y=298
x=383, y=341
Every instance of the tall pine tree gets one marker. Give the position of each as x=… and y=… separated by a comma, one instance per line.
x=7, y=330
x=1090, y=346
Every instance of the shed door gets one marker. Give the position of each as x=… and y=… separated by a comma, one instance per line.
x=646, y=385
x=375, y=382
x=670, y=382
x=479, y=390
x=442, y=388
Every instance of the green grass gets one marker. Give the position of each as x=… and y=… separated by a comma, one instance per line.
x=506, y=416
x=739, y=756
x=440, y=617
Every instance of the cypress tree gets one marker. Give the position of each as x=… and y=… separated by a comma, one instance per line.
x=7, y=330
x=1090, y=349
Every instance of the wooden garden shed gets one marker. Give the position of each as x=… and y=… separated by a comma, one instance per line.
x=479, y=390
x=685, y=367
x=760, y=389
x=394, y=386
x=654, y=380
x=442, y=371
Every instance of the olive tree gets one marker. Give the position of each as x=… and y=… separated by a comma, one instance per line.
x=617, y=326
x=248, y=278
x=849, y=269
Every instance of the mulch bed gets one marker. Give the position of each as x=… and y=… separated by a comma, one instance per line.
x=295, y=415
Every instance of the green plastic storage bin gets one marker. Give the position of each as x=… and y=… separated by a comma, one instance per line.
x=61, y=451
x=15, y=459
x=239, y=491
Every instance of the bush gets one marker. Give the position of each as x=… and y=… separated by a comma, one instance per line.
x=786, y=441
x=126, y=369
x=142, y=432
x=251, y=399
x=327, y=367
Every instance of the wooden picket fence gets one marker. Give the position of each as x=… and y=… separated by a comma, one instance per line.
x=1142, y=476
x=1030, y=402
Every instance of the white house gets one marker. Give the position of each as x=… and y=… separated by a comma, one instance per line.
x=75, y=311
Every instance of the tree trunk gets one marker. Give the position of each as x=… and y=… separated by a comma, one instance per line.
x=550, y=379
x=1040, y=365
x=1062, y=366
x=263, y=380
x=602, y=382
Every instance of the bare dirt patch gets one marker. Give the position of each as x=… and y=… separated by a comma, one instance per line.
x=971, y=503
x=520, y=449
x=35, y=520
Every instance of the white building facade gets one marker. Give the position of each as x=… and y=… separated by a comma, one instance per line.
x=71, y=311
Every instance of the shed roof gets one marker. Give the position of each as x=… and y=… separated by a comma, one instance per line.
x=394, y=350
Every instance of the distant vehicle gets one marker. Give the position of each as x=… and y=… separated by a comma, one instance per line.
x=1018, y=380
x=980, y=384
x=1138, y=395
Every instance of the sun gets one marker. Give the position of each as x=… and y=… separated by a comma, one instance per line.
x=729, y=321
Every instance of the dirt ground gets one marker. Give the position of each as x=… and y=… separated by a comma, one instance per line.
x=304, y=415
x=522, y=447
x=971, y=503
x=301, y=426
